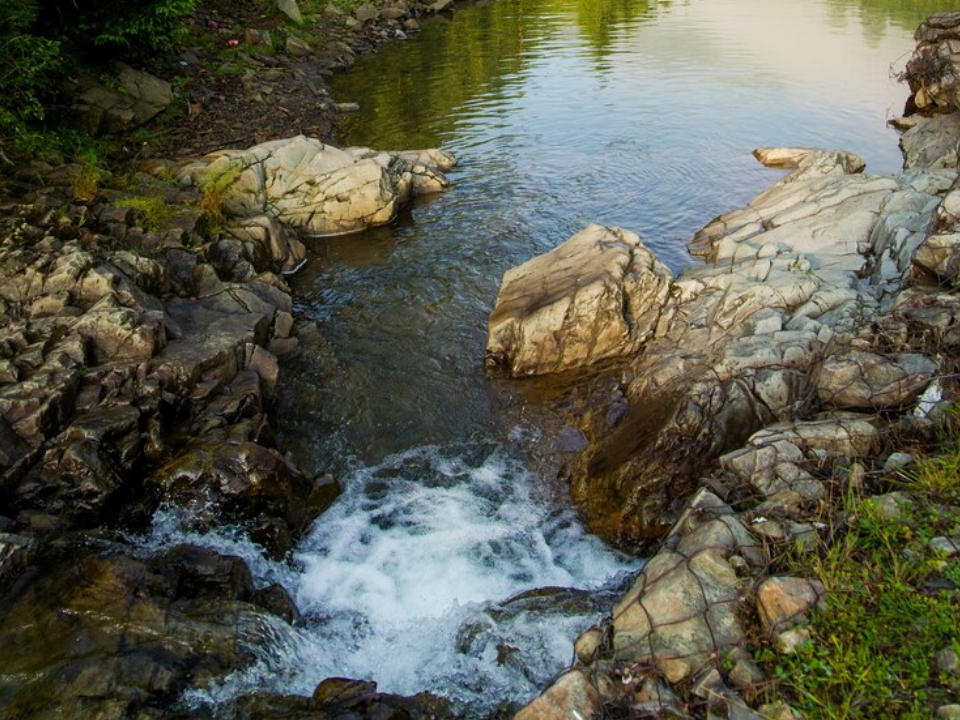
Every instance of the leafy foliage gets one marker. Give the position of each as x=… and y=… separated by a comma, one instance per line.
x=132, y=30
x=28, y=66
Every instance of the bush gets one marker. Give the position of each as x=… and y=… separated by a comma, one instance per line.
x=29, y=68
x=130, y=29
x=41, y=39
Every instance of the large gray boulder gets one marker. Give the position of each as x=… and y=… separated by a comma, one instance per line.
x=317, y=188
x=596, y=296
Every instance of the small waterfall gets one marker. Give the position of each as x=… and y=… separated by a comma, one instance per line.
x=440, y=569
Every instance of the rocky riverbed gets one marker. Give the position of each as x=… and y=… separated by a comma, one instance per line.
x=139, y=354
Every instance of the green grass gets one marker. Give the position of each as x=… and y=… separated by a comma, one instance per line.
x=154, y=212
x=893, y=604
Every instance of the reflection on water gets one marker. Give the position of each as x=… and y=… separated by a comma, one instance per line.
x=877, y=16
x=563, y=112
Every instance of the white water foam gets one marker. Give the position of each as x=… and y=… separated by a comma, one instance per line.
x=440, y=570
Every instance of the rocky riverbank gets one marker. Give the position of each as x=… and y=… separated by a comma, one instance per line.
x=756, y=394
x=140, y=348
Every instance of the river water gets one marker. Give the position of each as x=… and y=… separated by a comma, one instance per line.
x=562, y=112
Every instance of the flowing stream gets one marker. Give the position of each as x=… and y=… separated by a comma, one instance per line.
x=447, y=565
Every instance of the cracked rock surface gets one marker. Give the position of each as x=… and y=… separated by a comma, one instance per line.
x=317, y=188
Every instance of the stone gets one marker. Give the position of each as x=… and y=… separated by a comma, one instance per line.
x=948, y=712
x=596, y=296
x=939, y=257
x=778, y=711
x=37, y=408
x=588, y=646
x=932, y=70
x=287, y=253
x=739, y=711
x=897, y=460
x=366, y=12
x=282, y=324
x=944, y=546
x=574, y=694
x=239, y=479
x=319, y=189
x=869, y=381
x=134, y=98
x=291, y=9
x=298, y=47
x=746, y=676
x=931, y=143
x=784, y=601
x=789, y=641
x=277, y=600
x=845, y=435
x=680, y=614
x=343, y=691
x=738, y=339
x=948, y=662
x=16, y=554
x=264, y=363
x=100, y=633
x=892, y=506
x=324, y=492
x=118, y=334
x=283, y=347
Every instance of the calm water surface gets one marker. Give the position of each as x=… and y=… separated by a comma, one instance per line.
x=562, y=112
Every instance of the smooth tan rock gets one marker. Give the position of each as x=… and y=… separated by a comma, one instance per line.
x=939, y=257
x=596, y=296
x=784, y=601
x=317, y=188
x=366, y=12
x=588, y=645
x=298, y=47
x=573, y=695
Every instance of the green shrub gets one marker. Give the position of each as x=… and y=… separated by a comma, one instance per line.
x=125, y=29
x=29, y=67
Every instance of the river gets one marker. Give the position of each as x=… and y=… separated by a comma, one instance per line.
x=561, y=112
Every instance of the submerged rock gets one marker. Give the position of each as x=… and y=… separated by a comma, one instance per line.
x=317, y=188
